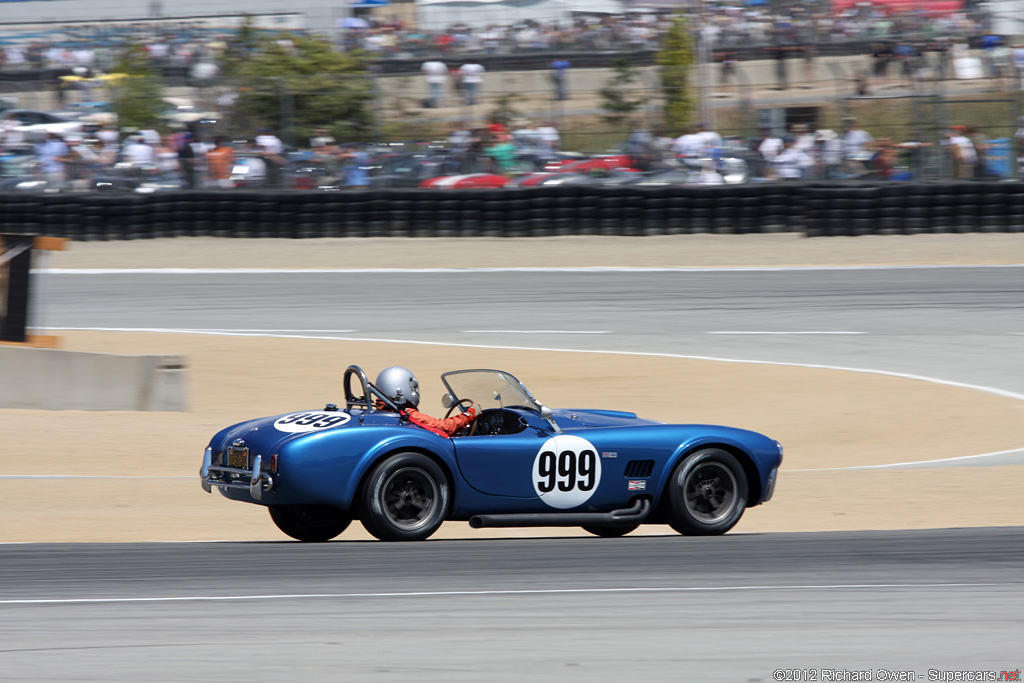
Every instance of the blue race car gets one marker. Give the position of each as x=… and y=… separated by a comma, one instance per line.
x=519, y=464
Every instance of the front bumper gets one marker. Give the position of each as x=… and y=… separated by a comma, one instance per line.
x=773, y=477
x=255, y=480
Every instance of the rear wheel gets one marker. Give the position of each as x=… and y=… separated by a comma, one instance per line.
x=405, y=498
x=311, y=523
x=610, y=530
x=707, y=493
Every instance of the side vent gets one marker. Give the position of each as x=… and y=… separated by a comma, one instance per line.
x=639, y=469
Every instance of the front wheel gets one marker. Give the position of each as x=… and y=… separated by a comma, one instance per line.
x=405, y=498
x=707, y=493
x=311, y=523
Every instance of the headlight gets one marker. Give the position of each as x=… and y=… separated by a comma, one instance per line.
x=779, y=446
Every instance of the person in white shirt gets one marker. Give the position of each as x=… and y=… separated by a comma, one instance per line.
x=459, y=137
x=548, y=135
x=857, y=144
x=791, y=163
x=689, y=145
x=770, y=146
x=436, y=72
x=709, y=139
x=151, y=137
x=111, y=140
x=525, y=133
x=829, y=153
x=269, y=142
x=9, y=133
x=472, y=75
x=137, y=151
x=804, y=138
x=965, y=156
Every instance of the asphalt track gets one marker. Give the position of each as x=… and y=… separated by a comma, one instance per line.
x=957, y=324
x=733, y=608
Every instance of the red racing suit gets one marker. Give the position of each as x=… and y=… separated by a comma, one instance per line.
x=446, y=427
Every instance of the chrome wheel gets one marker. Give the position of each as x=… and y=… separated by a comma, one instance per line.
x=707, y=493
x=410, y=498
x=710, y=492
x=404, y=498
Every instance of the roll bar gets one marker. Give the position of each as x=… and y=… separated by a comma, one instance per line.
x=369, y=392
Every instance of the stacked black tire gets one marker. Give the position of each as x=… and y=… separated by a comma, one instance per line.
x=913, y=208
x=817, y=209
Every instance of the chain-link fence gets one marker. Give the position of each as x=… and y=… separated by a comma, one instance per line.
x=595, y=109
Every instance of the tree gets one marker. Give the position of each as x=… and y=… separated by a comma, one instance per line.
x=504, y=111
x=297, y=84
x=615, y=95
x=676, y=61
x=138, y=95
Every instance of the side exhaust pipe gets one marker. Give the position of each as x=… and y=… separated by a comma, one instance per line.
x=634, y=514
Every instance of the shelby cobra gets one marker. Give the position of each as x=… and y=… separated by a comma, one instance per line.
x=518, y=464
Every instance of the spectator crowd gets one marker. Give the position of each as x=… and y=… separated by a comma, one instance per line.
x=181, y=159
x=98, y=158
x=722, y=26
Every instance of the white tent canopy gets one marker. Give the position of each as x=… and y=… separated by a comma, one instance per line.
x=440, y=14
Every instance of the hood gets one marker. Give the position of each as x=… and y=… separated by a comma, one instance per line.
x=569, y=419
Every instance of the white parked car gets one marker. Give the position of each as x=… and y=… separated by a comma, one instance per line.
x=32, y=121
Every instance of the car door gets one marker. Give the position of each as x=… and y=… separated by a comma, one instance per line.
x=560, y=470
x=501, y=464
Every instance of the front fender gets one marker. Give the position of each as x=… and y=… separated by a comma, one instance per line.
x=759, y=461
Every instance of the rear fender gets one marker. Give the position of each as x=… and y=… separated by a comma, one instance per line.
x=428, y=444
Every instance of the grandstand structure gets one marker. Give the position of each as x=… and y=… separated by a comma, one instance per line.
x=41, y=20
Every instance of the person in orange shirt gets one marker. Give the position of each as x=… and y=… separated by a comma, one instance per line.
x=402, y=388
x=218, y=163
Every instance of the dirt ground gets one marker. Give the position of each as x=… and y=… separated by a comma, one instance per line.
x=783, y=249
x=825, y=418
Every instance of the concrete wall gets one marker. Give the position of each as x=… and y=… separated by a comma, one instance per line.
x=54, y=379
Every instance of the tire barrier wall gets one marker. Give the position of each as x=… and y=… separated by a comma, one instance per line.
x=815, y=209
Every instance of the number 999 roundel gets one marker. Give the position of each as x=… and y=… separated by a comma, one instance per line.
x=518, y=464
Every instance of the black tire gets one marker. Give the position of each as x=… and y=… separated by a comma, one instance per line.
x=610, y=530
x=310, y=523
x=707, y=493
x=405, y=498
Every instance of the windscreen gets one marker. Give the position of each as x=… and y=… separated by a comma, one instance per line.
x=489, y=388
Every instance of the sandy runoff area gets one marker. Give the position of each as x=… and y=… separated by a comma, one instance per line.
x=130, y=476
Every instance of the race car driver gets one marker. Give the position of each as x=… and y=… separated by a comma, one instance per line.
x=401, y=386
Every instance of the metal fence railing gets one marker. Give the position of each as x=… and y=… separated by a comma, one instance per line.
x=599, y=107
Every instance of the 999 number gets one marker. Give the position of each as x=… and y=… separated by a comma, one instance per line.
x=314, y=420
x=567, y=470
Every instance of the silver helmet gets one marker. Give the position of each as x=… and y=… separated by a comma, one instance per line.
x=399, y=385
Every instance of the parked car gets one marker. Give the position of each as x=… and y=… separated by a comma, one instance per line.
x=17, y=161
x=518, y=464
x=467, y=181
x=406, y=169
x=32, y=121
